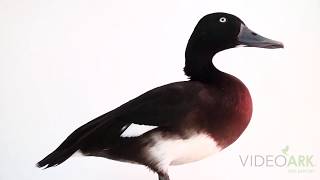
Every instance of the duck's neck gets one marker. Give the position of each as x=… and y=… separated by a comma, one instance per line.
x=198, y=64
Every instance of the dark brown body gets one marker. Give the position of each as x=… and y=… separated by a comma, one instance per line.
x=222, y=110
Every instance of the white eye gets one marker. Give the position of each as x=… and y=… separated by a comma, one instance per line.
x=223, y=19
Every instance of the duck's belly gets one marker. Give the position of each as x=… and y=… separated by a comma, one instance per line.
x=174, y=151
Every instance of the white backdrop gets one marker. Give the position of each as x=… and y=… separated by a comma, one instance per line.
x=62, y=63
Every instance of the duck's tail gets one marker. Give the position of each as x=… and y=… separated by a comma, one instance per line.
x=73, y=142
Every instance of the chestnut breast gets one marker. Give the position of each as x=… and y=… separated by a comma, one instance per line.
x=223, y=110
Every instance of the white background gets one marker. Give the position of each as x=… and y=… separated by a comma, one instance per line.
x=63, y=63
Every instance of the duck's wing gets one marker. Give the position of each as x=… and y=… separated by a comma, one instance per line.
x=162, y=106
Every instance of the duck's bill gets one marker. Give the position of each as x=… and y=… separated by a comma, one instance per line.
x=248, y=38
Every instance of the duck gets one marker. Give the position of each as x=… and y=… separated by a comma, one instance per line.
x=191, y=119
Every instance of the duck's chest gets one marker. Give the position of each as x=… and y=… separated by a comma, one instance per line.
x=224, y=111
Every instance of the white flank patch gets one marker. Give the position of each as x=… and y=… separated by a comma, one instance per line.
x=77, y=154
x=136, y=130
x=181, y=151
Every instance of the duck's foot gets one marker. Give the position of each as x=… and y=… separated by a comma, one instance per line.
x=163, y=176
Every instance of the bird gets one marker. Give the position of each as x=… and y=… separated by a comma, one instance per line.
x=191, y=119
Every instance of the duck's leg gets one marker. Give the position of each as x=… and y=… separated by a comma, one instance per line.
x=163, y=176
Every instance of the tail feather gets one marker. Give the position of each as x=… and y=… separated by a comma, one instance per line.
x=56, y=157
x=73, y=142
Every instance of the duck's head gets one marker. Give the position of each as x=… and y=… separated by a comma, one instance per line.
x=216, y=32
x=223, y=31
